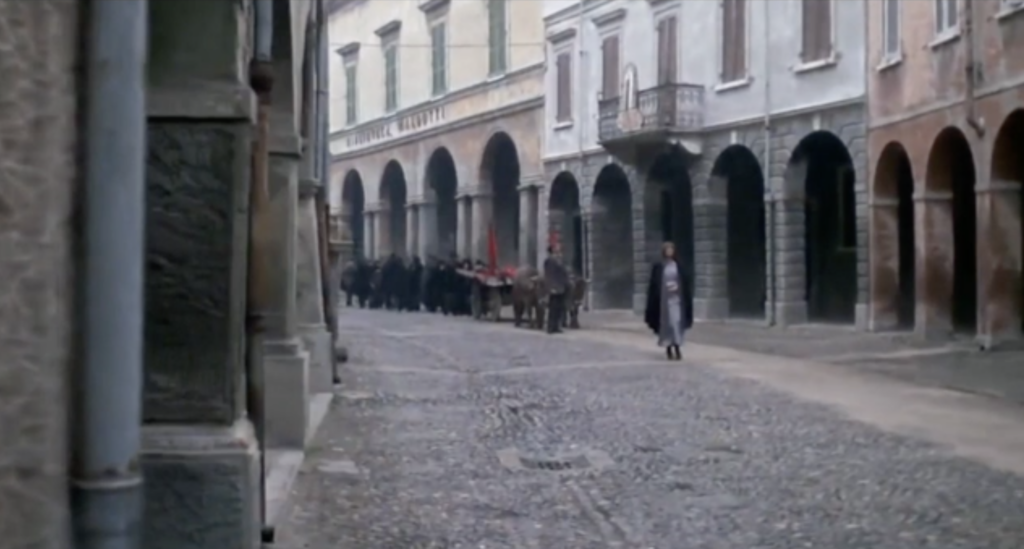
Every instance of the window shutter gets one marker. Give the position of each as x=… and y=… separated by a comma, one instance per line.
x=610, y=67
x=739, y=39
x=564, y=77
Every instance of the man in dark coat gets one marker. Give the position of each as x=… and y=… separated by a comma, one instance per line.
x=556, y=280
x=414, y=284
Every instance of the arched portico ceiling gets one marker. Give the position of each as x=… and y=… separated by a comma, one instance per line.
x=440, y=174
x=564, y=193
x=392, y=180
x=352, y=187
x=1007, y=157
x=499, y=152
x=891, y=162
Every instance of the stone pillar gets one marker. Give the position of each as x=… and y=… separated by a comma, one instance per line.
x=884, y=264
x=790, y=272
x=464, y=244
x=285, y=362
x=482, y=216
x=412, y=226
x=369, y=233
x=312, y=325
x=528, y=224
x=999, y=262
x=200, y=454
x=933, y=267
x=382, y=231
x=711, y=277
x=427, y=229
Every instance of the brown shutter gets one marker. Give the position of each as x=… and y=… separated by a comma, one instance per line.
x=817, y=30
x=673, y=49
x=610, y=76
x=734, y=38
x=564, y=105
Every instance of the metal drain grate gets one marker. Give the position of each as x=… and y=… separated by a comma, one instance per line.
x=576, y=460
x=579, y=462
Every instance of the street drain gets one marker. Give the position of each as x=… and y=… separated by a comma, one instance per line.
x=577, y=460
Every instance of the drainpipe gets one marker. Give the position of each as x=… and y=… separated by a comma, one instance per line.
x=580, y=148
x=972, y=70
x=772, y=203
x=106, y=483
x=323, y=107
x=261, y=79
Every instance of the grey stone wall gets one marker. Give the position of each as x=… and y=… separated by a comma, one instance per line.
x=37, y=122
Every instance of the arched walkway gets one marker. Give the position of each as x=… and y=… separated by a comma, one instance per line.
x=668, y=207
x=893, y=245
x=353, y=205
x=564, y=221
x=611, y=236
x=392, y=202
x=1004, y=232
x=747, y=257
x=442, y=180
x=830, y=226
x=949, y=189
x=499, y=175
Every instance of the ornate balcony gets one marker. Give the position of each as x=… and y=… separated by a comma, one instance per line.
x=656, y=114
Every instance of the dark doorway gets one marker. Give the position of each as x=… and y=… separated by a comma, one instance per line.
x=443, y=180
x=894, y=238
x=577, y=244
x=670, y=174
x=830, y=226
x=393, y=196
x=611, y=233
x=746, y=247
x=353, y=206
x=951, y=169
x=563, y=217
x=500, y=171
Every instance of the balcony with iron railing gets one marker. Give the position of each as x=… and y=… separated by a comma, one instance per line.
x=655, y=114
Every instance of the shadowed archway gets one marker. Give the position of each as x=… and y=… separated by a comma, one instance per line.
x=442, y=180
x=393, y=195
x=824, y=164
x=499, y=175
x=668, y=207
x=949, y=183
x=353, y=206
x=611, y=236
x=564, y=221
x=1005, y=241
x=893, y=245
x=746, y=244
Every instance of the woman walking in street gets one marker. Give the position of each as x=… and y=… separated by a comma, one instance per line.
x=669, y=310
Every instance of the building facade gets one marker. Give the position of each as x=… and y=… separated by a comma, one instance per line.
x=437, y=123
x=946, y=127
x=735, y=129
x=174, y=103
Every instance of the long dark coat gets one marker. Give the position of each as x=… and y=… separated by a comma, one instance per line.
x=652, y=314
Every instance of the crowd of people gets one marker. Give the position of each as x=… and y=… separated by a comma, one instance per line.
x=409, y=285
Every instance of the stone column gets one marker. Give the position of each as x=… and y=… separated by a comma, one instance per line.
x=790, y=272
x=312, y=323
x=382, y=231
x=999, y=262
x=285, y=362
x=482, y=216
x=711, y=277
x=200, y=454
x=369, y=238
x=412, y=232
x=464, y=238
x=933, y=266
x=884, y=264
x=427, y=229
x=528, y=224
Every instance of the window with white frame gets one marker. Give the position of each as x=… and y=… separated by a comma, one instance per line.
x=391, y=76
x=351, y=93
x=439, y=58
x=891, y=31
x=497, y=36
x=947, y=16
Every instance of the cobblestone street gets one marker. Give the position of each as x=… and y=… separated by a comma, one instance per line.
x=450, y=434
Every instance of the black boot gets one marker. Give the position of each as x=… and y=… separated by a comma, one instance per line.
x=678, y=352
x=668, y=352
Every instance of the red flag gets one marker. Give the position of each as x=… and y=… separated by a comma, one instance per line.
x=552, y=239
x=492, y=248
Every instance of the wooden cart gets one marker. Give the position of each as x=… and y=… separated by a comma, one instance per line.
x=490, y=291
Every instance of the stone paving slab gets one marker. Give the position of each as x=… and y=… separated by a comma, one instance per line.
x=594, y=442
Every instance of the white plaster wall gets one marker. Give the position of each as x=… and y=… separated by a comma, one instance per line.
x=774, y=40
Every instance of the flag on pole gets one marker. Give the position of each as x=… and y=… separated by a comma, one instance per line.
x=492, y=248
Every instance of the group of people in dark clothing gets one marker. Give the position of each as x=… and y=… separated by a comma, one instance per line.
x=408, y=285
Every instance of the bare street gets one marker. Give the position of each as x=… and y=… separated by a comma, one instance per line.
x=449, y=433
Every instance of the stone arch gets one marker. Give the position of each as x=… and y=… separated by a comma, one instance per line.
x=565, y=223
x=950, y=273
x=893, y=268
x=499, y=181
x=611, y=235
x=1002, y=253
x=353, y=208
x=738, y=173
x=393, y=199
x=442, y=183
x=668, y=206
x=823, y=168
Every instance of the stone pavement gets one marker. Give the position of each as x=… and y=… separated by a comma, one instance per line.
x=453, y=434
x=958, y=365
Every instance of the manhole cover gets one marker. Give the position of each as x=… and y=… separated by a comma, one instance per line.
x=588, y=459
